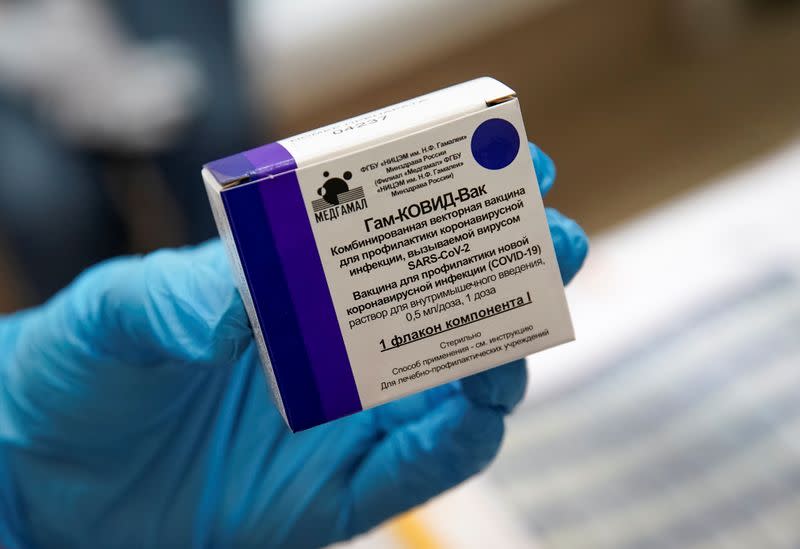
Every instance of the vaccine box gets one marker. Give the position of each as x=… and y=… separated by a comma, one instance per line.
x=393, y=252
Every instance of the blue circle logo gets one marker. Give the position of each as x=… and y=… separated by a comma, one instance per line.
x=495, y=144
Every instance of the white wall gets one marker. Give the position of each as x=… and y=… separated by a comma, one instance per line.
x=306, y=51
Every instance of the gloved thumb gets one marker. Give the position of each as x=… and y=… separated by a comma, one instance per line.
x=172, y=305
x=122, y=341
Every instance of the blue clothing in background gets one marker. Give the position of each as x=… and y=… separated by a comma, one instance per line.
x=55, y=208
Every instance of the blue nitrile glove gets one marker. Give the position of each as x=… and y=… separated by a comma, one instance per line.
x=134, y=413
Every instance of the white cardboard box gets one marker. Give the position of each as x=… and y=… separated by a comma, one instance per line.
x=392, y=252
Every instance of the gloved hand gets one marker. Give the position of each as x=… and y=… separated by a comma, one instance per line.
x=133, y=413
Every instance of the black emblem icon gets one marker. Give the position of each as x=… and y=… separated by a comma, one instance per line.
x=335, y=191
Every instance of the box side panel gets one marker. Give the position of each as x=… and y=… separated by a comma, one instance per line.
x=291, y=299
x=224, y=227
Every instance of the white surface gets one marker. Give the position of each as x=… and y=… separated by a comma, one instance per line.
x=302, y=52
x=659, y=267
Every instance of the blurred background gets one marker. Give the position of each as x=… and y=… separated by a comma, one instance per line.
x=674, y=420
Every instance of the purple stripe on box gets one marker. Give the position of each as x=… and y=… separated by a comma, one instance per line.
x=230, y=169
x=274, y=307
x=271, y=159
x=308, y=288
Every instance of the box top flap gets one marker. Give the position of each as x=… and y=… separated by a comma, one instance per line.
x=360, y=132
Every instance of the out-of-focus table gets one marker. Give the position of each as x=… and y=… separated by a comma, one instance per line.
x=674, y=419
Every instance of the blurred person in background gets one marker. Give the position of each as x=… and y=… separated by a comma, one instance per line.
x=94, y=92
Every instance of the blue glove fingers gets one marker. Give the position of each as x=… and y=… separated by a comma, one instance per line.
x=422, y=459
x=440, y=438
x=501, y=388
x=545, y=169
x=442, y=448
x=570, y=242
x=394, y=414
